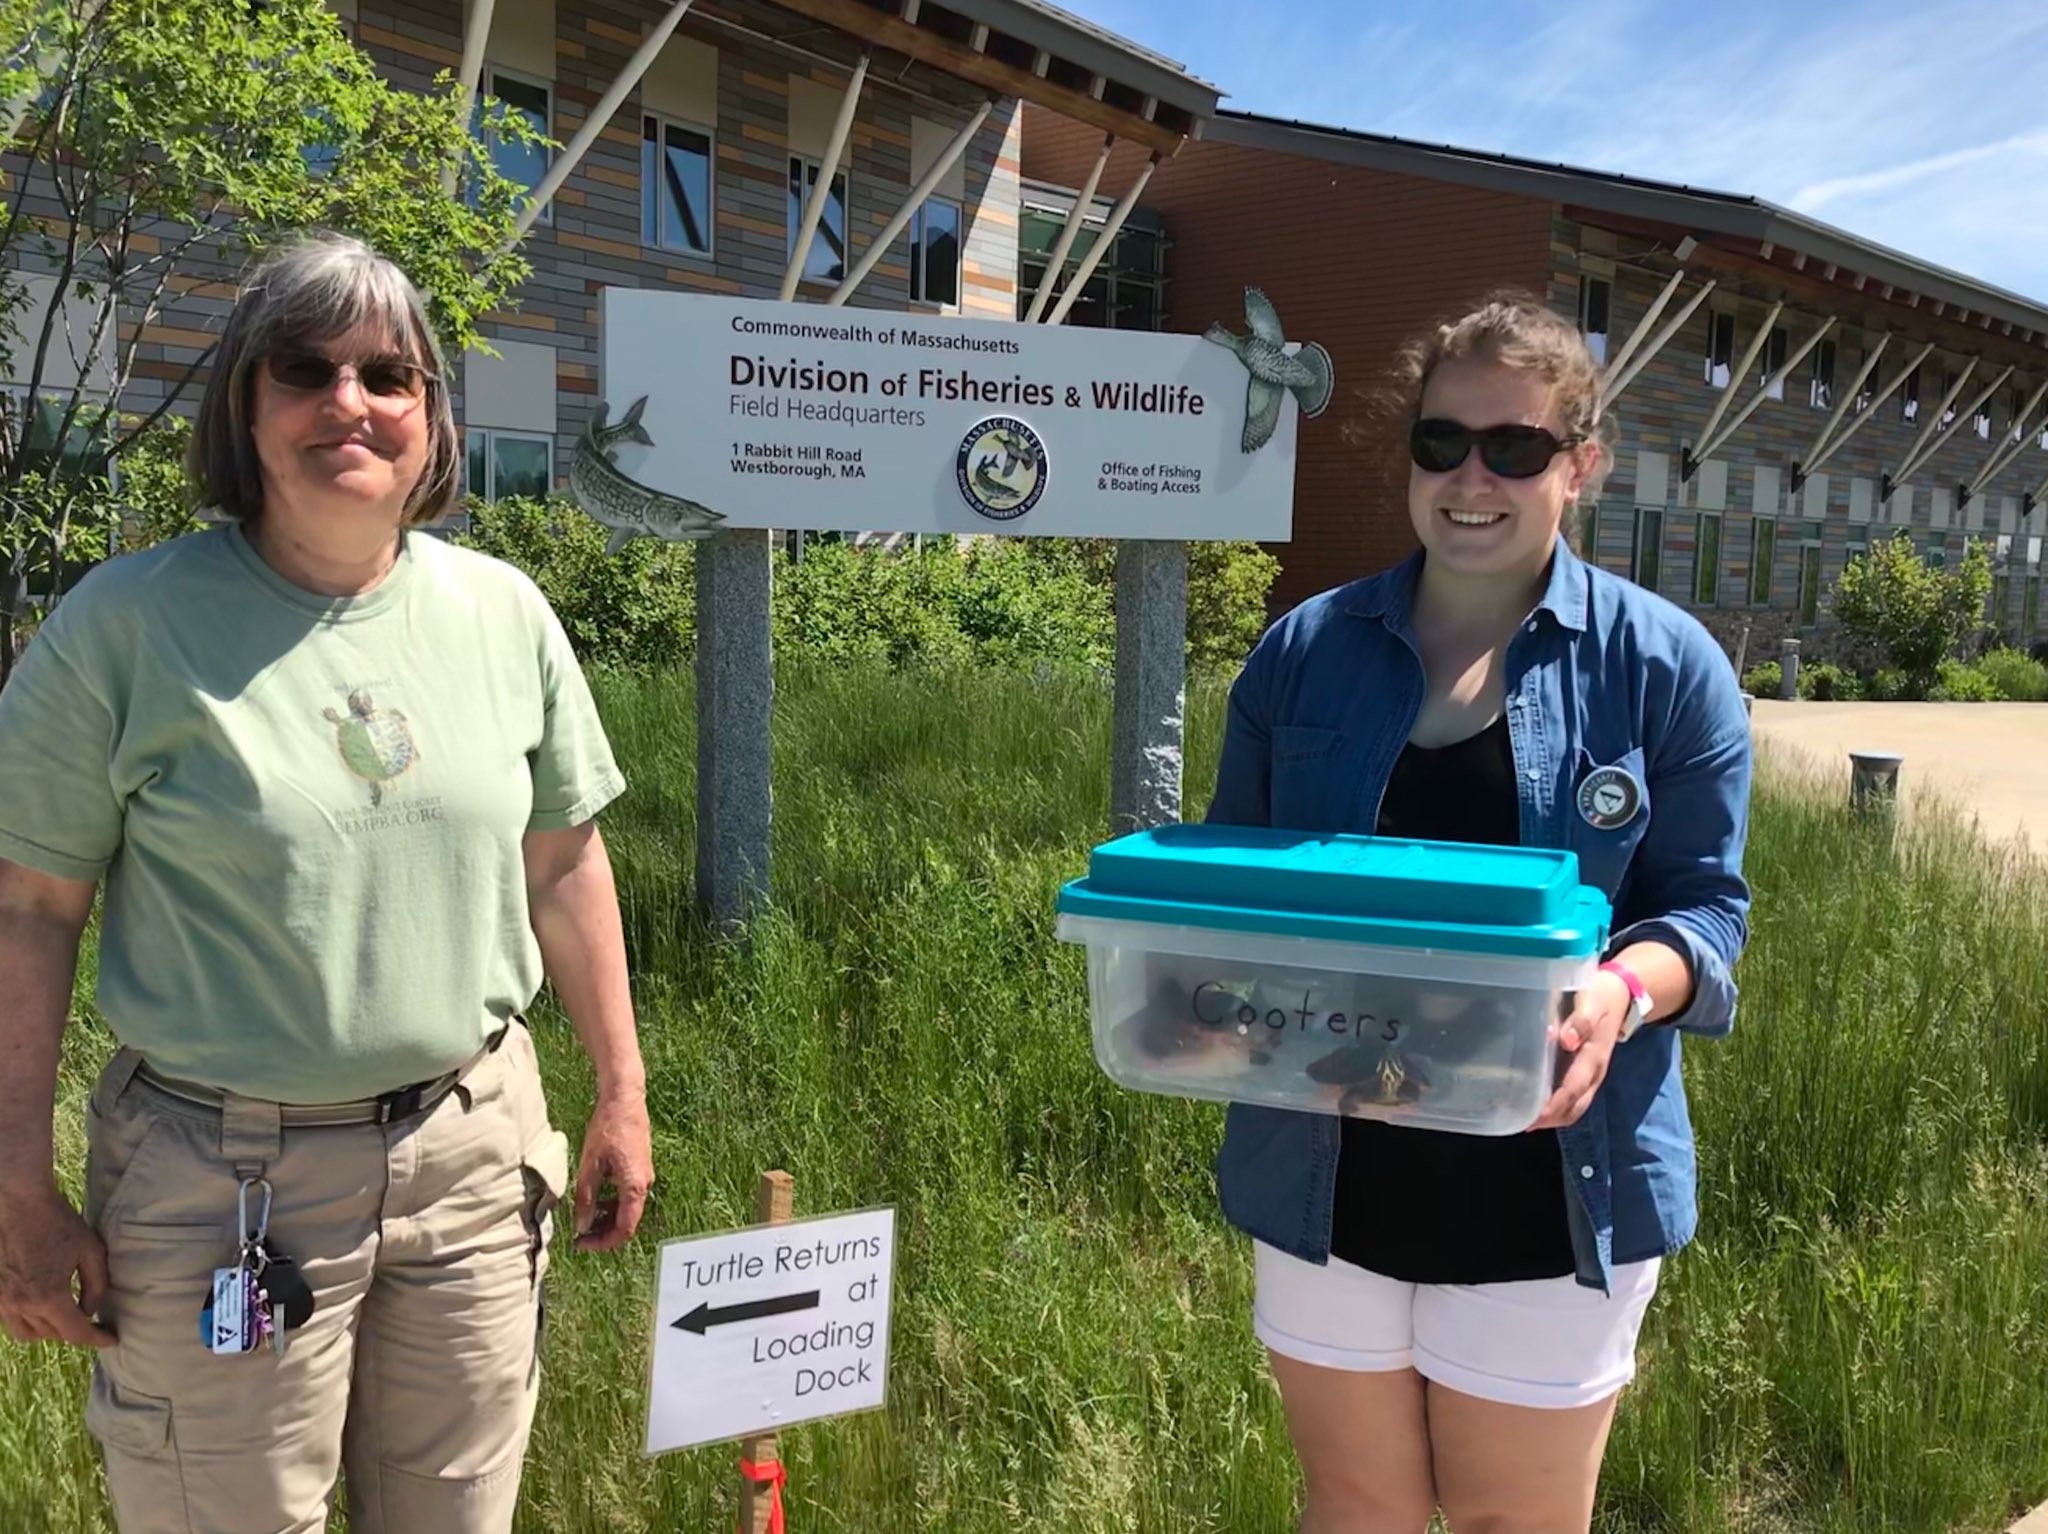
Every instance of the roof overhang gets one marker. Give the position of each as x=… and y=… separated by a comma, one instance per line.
x=1037, y=53
x=1748, y=225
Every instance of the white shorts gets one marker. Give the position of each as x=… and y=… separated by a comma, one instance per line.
x=1548, y=1343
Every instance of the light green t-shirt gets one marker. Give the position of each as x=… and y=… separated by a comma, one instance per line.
x=308, y=810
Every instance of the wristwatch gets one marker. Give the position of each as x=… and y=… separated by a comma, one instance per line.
x=1639, y=999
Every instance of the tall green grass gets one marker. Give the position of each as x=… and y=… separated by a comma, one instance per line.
x=1857, y=1342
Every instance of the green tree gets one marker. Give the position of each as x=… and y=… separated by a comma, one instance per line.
x=161, y=145
x=1912, y=614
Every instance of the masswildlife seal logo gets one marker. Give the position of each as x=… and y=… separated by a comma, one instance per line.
x=375, y=743
x=1609, y=798
x=1001, y=468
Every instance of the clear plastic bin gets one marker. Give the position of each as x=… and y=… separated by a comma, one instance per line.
x=1307, y=997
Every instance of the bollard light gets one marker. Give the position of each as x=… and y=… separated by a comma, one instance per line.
x=1788, y=663
x=1874, y=781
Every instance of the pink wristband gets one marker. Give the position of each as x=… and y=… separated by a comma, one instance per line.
x=1639, y=994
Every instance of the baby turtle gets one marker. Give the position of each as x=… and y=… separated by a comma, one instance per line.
x=1373, y=1075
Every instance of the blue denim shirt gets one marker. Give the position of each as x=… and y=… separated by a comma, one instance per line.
x=1603, y=673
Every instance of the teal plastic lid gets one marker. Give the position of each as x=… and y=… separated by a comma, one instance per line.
x=1517, y=902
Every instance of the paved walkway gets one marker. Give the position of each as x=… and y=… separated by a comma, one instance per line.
x=1988, y=759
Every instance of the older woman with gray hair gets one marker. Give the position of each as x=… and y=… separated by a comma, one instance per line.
x=340, y=780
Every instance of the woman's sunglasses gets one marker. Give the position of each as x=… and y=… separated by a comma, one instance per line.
x=1511, y=452
x=383, y=377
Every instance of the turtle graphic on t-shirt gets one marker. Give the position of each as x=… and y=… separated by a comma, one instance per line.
x=374, y=742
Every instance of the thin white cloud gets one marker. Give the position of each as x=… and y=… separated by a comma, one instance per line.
x=1913, y=124
x=1809, y=198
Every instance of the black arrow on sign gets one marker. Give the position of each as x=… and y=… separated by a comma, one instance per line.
x=705, y=1316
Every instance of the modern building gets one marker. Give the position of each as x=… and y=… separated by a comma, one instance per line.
x=1784, y=392
x=689, y=150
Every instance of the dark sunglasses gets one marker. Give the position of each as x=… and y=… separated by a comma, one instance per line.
x=384, y=377
x=1511, y=452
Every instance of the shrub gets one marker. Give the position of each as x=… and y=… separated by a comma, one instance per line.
x=635, y=608
x=2018, y=676
x=1228, y=584
x=1960, y=683
x=1891, y=685
x=1825, y=683
x=1913, y=614
x=1764, y=681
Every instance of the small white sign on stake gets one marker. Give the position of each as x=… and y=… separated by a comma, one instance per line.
x=757, y=1329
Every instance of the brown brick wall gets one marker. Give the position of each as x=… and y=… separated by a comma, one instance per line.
x=1357, y=259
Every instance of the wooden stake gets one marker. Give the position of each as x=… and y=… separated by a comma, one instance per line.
x=774, y=1203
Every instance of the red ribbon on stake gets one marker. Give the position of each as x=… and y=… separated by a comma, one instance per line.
x=774, y=1476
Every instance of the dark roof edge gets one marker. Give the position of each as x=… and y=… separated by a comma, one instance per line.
x=1097, y=49
x=1693, y=208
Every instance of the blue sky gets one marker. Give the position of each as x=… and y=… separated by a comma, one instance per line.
x=1921, y=125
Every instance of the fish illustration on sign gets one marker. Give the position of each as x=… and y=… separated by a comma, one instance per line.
x=630, y=509
x=1306, y=372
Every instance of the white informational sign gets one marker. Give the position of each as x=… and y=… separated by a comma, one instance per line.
x=757, y=1329
x=799, y=416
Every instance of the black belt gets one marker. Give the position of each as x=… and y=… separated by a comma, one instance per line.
x=390, y=1108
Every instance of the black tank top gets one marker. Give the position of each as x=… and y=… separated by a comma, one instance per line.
x=1422, y=1205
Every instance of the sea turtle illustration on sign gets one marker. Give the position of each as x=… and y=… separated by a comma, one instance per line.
x=1305, y=372
x=375, y=743
x=630, y=509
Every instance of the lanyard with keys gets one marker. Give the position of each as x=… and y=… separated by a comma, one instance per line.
x=263, y=1295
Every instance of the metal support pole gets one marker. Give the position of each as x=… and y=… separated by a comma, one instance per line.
x=1721, y=438
x=2006, y=452
x=1933, y=423
x=814, y=199
x=1869, y=415
x=1635, y=337
x=1063, y=247
x=594, y=124
x=1103, y=241
x=1735, y=379
x=1963, y=417
x=924, y=188
x=475, y=35
x=1788, y=666
x=1612, y=391
x=1849, y=395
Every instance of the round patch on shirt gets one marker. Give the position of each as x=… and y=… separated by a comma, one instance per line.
x=1610, y=798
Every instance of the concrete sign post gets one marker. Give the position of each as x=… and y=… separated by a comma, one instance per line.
x=735, y=416
x=757, y=1330
x=1151, y=685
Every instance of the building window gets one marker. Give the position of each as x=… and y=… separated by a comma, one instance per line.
x=2030, y=611
x=1647, y=562
x=2015, y=402
x=1706, y=577
x=675, y=187
x=1124, y=293
x=1980, y=423
x=1596, y=303
x=1945, y=383
x=508, y=463
x=825, y=261
x=935, y=252
x=1809, y=584
x=1763, y=554
x=1720, y=350
x=528, y=99
x=1821, y=392
x=1866, y=392
x=1775, y=351
x=1909, y=397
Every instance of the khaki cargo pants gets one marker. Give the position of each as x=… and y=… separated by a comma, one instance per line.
x=425, y=1242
